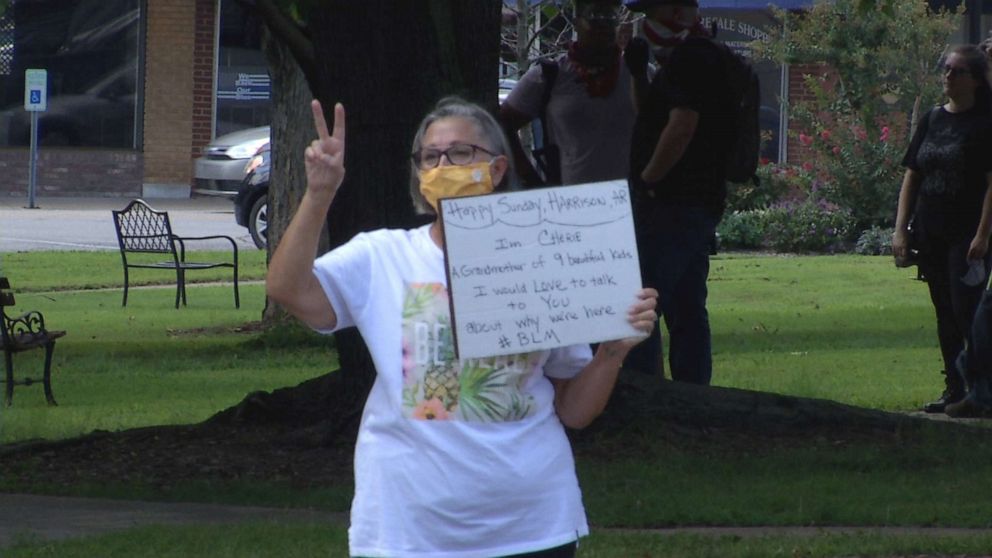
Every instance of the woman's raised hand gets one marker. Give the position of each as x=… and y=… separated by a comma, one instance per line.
x=324, y=158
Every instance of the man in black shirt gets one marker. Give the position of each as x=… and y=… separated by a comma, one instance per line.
x=681, y=140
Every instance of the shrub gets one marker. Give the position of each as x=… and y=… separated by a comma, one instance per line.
x=806, y=226
x=741, y=229
x=871, y=70
x=774, y=182
x=876, y=241
x=858, y=168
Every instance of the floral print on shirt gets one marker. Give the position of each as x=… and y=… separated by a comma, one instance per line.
x=438, y=387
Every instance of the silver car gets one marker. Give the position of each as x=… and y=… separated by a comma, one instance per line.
x=221, y=168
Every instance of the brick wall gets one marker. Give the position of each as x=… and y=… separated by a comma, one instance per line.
x=203, y=74
x=799, y=92
x=177, y=122
x=169, y=95
x=72, y=172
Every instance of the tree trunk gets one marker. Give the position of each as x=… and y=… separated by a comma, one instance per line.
x=292, y=130
x=389, y=62
x=642, y=410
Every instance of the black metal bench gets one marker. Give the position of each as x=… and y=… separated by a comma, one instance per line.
x=22, y=333
x=141, y=229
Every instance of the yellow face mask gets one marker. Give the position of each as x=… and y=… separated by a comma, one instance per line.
x=455, y=182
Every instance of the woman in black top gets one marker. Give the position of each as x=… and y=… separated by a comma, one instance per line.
x=948, y=189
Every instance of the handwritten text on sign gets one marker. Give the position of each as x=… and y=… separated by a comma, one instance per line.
x=540, y=269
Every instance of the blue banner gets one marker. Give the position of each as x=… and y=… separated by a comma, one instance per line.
x=755, y=4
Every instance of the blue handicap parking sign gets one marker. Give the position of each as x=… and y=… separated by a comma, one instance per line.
x=35, y=96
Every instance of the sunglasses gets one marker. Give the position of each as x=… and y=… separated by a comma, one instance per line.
x=954, y=71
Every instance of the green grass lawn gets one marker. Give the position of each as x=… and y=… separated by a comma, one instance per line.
x=305, y=540
x=852, y=329
x=848, y=328
x=45, y=271
x=150, y=364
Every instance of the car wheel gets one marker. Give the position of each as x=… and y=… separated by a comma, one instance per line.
x=258, y=221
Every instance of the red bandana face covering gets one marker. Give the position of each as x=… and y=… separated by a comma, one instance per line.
x=600, y=79
x=664, y=36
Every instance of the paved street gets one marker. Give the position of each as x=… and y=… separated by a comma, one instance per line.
x=87, y=224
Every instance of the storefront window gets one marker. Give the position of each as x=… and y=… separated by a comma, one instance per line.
x=738, y=28
x=243, y=86
x=90, y=50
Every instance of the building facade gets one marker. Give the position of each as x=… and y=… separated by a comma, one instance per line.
x=136, y=88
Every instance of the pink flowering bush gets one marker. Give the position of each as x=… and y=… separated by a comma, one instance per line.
x=859, y=167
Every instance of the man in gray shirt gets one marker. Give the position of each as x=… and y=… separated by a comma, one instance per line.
x=590, y=112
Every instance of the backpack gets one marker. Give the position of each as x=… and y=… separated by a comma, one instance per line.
x=745, y=91
x=548, y=156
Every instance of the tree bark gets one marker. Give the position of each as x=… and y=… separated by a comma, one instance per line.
x=292, y=130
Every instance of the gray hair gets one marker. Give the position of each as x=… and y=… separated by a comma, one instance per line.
x=489, y=129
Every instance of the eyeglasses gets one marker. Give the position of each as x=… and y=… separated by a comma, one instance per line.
x=955, y=72
x=458, y=154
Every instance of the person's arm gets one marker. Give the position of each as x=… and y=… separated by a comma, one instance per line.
x=672, y=143
x=907, y=200
x=638, y=91
x=635, y=56
x=291, y=281
x=980, y=244
x=512, y=120
x=579, y=400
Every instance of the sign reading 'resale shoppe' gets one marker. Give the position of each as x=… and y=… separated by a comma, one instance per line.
x=540, y=269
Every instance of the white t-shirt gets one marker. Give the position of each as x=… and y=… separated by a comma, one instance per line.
x=453, y=459
x=592, y=133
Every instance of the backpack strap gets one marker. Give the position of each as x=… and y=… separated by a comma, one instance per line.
x=549, y=73
x=548, y=157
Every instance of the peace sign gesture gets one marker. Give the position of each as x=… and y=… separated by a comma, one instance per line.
x=324, y=158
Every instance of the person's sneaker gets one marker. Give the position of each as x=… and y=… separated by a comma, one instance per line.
x=940, y=405
x=968, y=407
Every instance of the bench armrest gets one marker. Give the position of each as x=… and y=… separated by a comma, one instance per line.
x=181, y=240
x=32, y=323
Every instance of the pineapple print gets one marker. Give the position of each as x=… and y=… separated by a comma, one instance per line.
x=441, y=383
x=438, y=387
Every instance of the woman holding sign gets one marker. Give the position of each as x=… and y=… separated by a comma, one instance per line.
x=454, y=458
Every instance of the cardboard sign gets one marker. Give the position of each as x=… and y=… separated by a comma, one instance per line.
x=540, y=269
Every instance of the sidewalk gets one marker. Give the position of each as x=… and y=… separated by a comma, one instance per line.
x=87, y=224
x=57, y=517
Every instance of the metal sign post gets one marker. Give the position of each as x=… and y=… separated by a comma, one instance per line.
x=33, y=161
x=35, y=101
